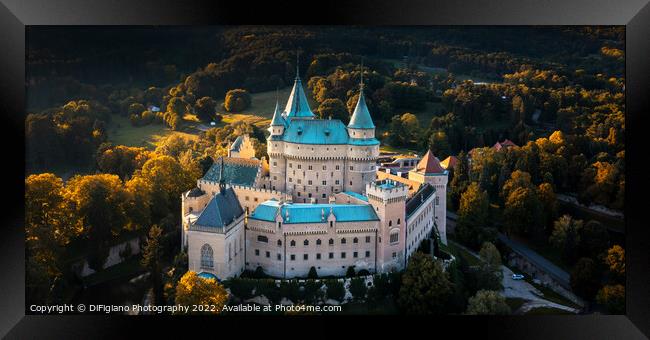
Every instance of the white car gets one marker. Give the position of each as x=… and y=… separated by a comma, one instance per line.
x=517, y=277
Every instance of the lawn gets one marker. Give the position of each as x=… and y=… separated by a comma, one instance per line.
x=551, y=295
x=121, y=132
x=128, y=268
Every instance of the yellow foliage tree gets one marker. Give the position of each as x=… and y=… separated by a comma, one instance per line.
x=194, y=290
x=615, y=260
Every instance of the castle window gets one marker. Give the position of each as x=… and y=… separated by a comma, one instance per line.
x=394, y=236
x=437, y=200
x=305, y=257
x=399, y=220
x=310, y=167
x=309, y=195
x=324, y=195
x=331, y=225
x=390, y=223
x=318, y=256
x=268, y=254
x=191, y=209
x=279, y=257
x=299, y=193
x=350, y=182
x=273, y=187
x=207, y=256
x=351, y=167
x=257, y=252
x=343, y=255
x=279, y=242
x=355, y=240
x=309, y=182
x=367, y=253
x=394, y=254
x=331, y=242
x=337, y=182
x=367, y=239
x=306, y=242
x=338, y=167
x=262, y=238
x=318, y=242
x=299, y=166
x=279, y=226
x=290, y=165
x=344, y=241
x=293, y=243
x=331, y=255
x=324, y=167
x=275, y=178
x=324, y=182
x=275, y=163
x=355, y=254
x=293, y=257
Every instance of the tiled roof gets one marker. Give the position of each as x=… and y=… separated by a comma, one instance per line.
x=316, y=131
x=297, y=105
x=505, y=144
x=429, y=164
x=235, y=171
x=361, y=117
x=412, y=204
x=222, y=209
x=313, y=213
x=449, y=162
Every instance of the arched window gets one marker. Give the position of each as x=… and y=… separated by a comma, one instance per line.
x=399, y=220
x=262, y=238
x=279, y=243
x=355, y=240
x=344, y=241
x=390, y=223
x=306, y=242
x=331, y=241
x=318, y=242
x=207, y=257
x=394, y=236
x=293, y=243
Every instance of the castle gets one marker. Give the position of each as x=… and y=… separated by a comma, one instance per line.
x=319, y=201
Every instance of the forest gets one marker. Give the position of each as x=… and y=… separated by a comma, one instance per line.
x=556, y=92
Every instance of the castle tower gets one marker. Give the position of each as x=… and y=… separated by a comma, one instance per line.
x=364, y=148
x=430, y=171
x=389, y=200
x=297, y=105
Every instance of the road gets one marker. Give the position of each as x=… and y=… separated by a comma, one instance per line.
x=538, y=260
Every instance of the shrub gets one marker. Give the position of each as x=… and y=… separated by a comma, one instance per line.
x=335, y=290
x=358, y=288
x=237, y=100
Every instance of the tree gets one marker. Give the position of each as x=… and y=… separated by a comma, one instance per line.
x=490, y=256
x=425, y=286
x=312, y=273
x=487, y=302
x=594, y=239
x=549, y=202
x=566, y=237
x=334, y=108
x=103, y=204
x=194, y=290
x=439, y=144
x=584, y=278
x=489, y=274
x=335, y=290
x=613, y=297
x=615, y=261
x=523, y=212
x=358, y=288
x=472, y=227
x=122, y=160
x=151, y=257
x=350, y=272
x=237, y=100
x=205, y=108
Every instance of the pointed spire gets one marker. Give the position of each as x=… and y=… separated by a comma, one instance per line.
x=297, y=64
x=222, y=181
x=429, y=164
x=361, y=116
x=297, y=105
x=277, y=119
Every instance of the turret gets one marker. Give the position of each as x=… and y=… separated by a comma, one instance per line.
x=278, y=123
x=297, y=105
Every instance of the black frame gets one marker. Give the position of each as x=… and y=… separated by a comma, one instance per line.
x=15, y=15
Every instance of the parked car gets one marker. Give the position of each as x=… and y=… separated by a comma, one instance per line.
x=517, y=277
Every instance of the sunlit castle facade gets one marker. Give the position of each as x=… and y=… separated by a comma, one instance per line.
x=317, y=202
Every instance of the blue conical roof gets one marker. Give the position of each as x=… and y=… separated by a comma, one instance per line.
x=361, y=116
x=277, y=120
x=297, y=106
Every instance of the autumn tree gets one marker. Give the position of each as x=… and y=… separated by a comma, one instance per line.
x=205, y=109
x=615, y=261
x=122, y=160
x=151, y=260
x=237, y=100
x=523, y=212
x=473, y=227
x=425, y=286
x=194, y=290
x=612, y=297
x=487, y=302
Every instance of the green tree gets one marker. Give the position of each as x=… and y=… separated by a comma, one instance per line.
x=594, y=239
x=194, y=290
x=350, y=272
x=566, y=237
x=472, y=228
x=425, y=286
x=334, y=108
x=312, y=273
x=439, y=144
x=237, y=100
x=358, y=288
x=205, y=109
x=335, y=290
x=151, y=260
x=487, y=302
x=585, y=278
x=523, y=212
